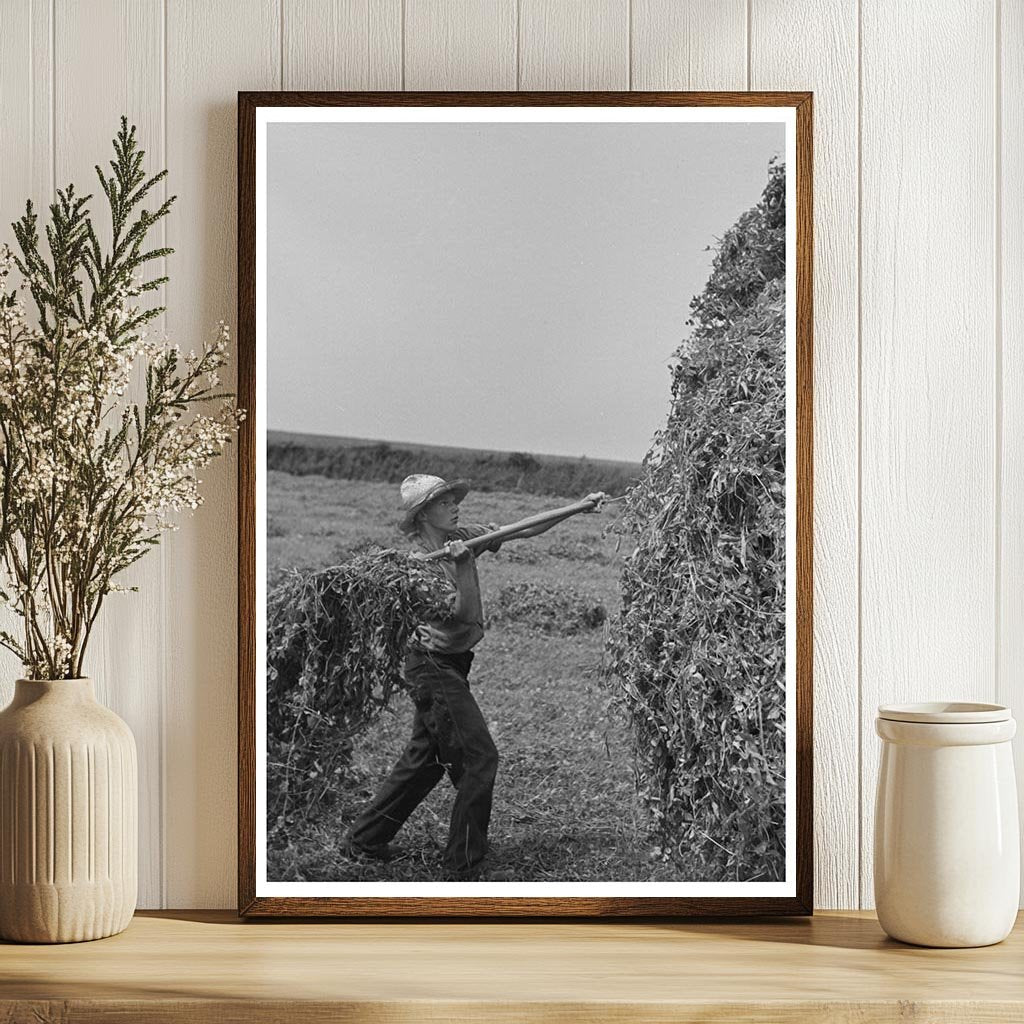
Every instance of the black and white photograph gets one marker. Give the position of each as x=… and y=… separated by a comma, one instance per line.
x=525, y=502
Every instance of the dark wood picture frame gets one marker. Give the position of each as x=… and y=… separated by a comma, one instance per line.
x=249, y=903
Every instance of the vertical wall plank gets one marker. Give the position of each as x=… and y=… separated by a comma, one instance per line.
x=43, y=128
x=1011, y=314
x=780, y=59
x=213, y=50
x=574, y=44
x=928, y=364
x=26, y=109
x=696, y=45
x=343, y=44
x=125, y=656
x=470, y=45
x=26, y=106
x=16, y=117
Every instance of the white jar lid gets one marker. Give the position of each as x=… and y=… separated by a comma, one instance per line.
x=944, y=713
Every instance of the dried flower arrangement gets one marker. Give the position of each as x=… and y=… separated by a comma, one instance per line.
x=89, y=476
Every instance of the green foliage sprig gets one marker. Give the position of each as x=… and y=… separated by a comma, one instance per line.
x=88, y=476
x=698, y=657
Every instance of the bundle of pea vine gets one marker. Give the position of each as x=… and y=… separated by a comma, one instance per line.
x=336, y=643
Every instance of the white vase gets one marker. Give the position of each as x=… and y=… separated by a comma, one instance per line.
x=947, y=846
x=68, y=815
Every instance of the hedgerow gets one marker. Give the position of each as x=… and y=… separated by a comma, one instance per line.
x=697, y=657
x=489, y=471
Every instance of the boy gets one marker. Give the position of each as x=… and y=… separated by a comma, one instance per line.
x=449, y=732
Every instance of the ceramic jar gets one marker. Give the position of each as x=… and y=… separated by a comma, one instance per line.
x=947, y=846
x=68, y=815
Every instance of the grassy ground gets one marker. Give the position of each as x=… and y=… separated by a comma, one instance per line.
x=564, y=804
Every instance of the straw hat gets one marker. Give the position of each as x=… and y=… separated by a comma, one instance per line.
x=419, y=490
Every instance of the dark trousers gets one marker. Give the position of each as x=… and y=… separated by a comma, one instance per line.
x=448, y=734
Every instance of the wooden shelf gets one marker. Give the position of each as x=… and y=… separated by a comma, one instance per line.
x=200, y=966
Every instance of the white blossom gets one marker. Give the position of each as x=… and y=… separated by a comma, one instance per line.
x=88, y=482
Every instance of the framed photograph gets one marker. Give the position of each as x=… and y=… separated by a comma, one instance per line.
x=525, y=492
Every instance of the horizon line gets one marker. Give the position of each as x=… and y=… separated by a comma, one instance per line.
x=452, y=447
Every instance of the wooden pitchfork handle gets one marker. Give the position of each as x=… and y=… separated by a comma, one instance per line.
x=507, y=531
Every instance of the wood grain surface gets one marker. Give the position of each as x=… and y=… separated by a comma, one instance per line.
x=573, y=44
x=208, y=966
x=701, y=44
x=342, y=44
x=468, y=45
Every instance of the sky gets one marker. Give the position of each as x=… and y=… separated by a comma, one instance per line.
x=514, y=286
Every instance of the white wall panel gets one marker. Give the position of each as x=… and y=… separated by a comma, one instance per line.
x=937, y=387
x=694, y=45
x=573, y=44
x=470, y=45
x=342, y=44
x=122, y=657
x=1010, y=372
x=213, y=51
x=928, y=364
x=26, y=169
x=780, y=59
x=26, y=107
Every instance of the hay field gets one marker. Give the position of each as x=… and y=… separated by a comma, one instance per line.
x=564, y=806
